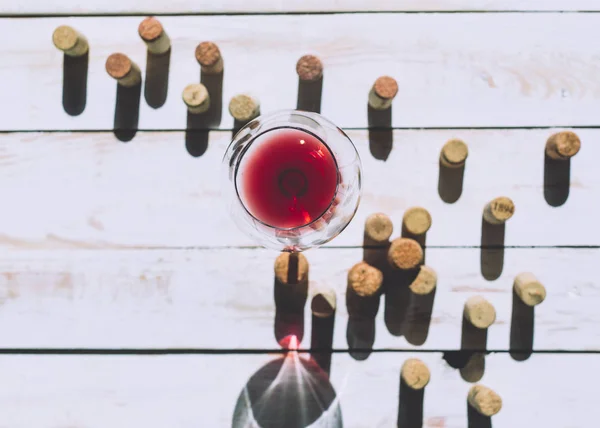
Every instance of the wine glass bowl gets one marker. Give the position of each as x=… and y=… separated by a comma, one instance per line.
x=291, y=180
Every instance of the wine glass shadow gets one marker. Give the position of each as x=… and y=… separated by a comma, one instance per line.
x=381, y=134
x=557, y=179
x=290, y=299
x=75, y=72
x=290, y=392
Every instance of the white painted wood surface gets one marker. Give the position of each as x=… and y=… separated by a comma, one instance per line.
x=223, y=299
x=192, y=391
x=91, y=191
x=270, y=6
x=453, y=70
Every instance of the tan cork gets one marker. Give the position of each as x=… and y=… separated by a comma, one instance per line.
x=405, y=253
x=415, y=373
x=378, y=227
x=323, y=303
x=70, y=41
x=291, y=268
x=499, y=210
x=125, y=71
x=309, y=68
x=209, y=57
x=479, y=312
x=365, y=279
x=196, y=98
x=425, y=282
x=454, y=154
x=383, y=92
x=244, y=108
x=416, y=221
x=529, y=289
x=563, y=145
x=153, y=34
x=484, y=400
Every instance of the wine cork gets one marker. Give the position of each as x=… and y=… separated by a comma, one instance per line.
x=425, y=282
x=364, y=287
x=563, y=145
x=405, y=253
x=454, y=154
x=484, y=400
x=416, y=221
x=499, y=210
x=291, y=268
x=479, y=312
x=209, y=57
x=415, y=373
x=529, y=289
x=244, y=108
x=323, y=303
x=309, y=68
x=196, y=98
x=153, y=34
x=383, y=92
x=70, y=41
x=125, y=71
x=378, y=227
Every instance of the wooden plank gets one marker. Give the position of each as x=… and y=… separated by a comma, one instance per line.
x=90, y=191
x=275, y=6
x=189, y=391
x=453, y=70
x=223, y=299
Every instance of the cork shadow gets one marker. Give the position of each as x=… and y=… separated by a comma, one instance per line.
x=290, y=299
x=156, y=85
x=397, y=299
x=375, y=253
x=290, y=392
x=410, y=406
x=309, y=95
x=418, y=317
x=196, y=134
x=521, y=329
x=360, y=335
x=473, y=345
x=557, y=179
x=492, y=249
x=74, y=93
x=321, y=340
x=381, y=134
x=476, y=419
x=127, y=112
x=450, y=183
x=214, y=86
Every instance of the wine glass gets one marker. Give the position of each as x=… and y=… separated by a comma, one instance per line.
x=292, y=180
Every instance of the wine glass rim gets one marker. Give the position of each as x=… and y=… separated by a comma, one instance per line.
x=235, y=183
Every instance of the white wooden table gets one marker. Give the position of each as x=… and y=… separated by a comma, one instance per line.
x=129, y=299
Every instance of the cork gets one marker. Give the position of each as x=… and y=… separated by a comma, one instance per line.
x=125, y=71
x=196, y=98
x=416, y=221
x=405, y=253
x=244, y=108
x=479, y=312
x=563, y=145
x=70, y=41
x=454, y=154
x=378, y=227
x=209, y=57
x=323, y=303
x=484, y=400
x=363, y=290
x=499, y=210
x=309, y=68
x=383, y=92
x=425, y=282
x=291, y=268
x=415, y=373
x=529, y=289
x=153, y=34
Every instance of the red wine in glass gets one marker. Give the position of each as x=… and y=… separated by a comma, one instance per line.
x=288, y=178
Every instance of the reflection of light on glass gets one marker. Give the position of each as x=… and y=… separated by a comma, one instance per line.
x=302, y=141
x=306, y=217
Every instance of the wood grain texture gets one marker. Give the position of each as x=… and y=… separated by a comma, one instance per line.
x=270, y=6
x=85, y=190
x=223, y=299
x=453, y=70
x=191, y=391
